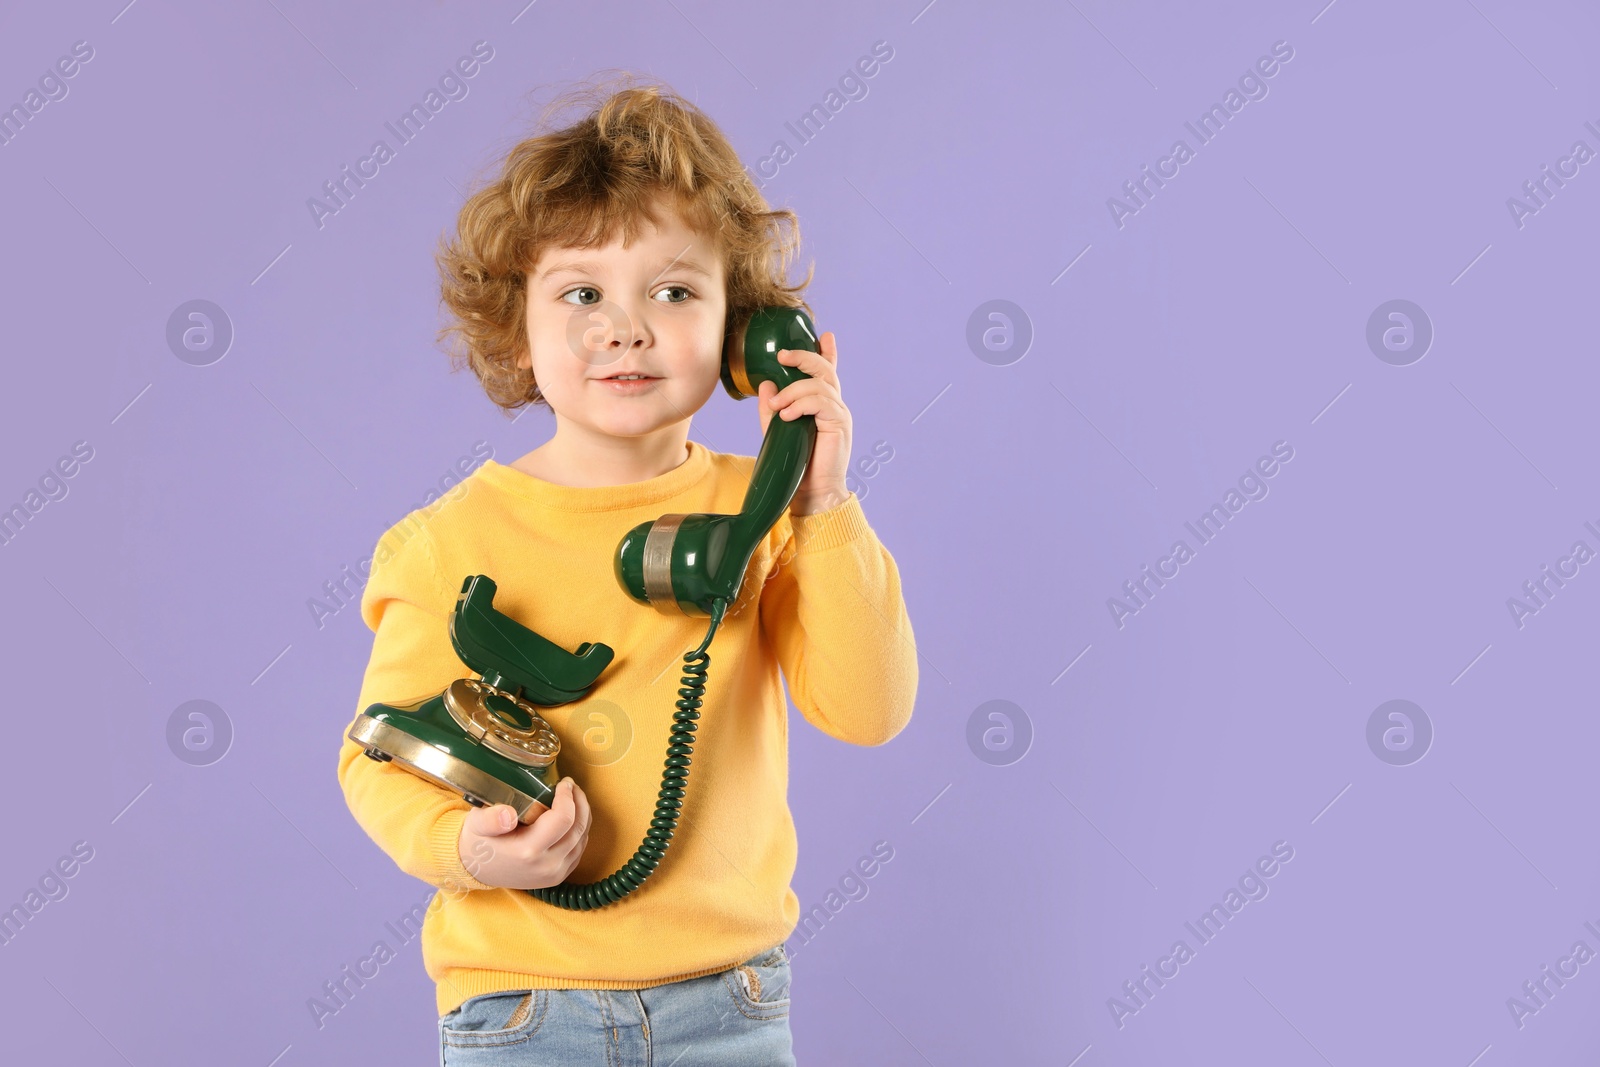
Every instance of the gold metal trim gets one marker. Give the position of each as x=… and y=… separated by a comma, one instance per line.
x=441, y=768
x=658, y=565
x=467, y=701
x=736, y=367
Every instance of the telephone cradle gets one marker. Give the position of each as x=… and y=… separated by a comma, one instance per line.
x=483, y=737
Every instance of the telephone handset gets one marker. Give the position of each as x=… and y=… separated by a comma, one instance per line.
x=484, y=737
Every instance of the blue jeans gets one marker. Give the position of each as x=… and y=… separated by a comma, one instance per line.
x=735, y=1018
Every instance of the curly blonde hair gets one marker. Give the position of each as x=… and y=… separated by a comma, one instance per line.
x=578, y=186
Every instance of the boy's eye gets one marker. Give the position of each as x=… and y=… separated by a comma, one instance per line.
x=677, y=289
x=582, y=289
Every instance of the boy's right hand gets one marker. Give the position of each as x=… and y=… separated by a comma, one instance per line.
x=498, y=851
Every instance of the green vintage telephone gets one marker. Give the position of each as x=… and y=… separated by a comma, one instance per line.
x=484, y=737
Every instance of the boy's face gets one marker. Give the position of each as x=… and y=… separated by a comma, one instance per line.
x=656, y=308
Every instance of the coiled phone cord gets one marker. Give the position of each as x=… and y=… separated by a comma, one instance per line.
x=674, y=777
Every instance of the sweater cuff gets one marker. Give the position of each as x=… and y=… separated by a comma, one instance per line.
x=838, y=525
x=444, y=848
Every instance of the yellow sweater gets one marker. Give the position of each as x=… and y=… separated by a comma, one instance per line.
x=821, y=599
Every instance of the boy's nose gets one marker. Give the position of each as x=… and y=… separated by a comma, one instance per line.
x=601, y=333
x=633, y=329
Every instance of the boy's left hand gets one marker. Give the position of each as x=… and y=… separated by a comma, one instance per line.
x=823, y=486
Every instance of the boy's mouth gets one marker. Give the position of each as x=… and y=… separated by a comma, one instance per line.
x=629, y=384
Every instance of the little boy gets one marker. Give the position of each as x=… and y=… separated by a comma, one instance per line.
x=623, y=247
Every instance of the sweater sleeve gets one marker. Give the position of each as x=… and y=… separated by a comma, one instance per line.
x=407, y=605
x=837, y=621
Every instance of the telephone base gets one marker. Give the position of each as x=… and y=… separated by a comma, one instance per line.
x=385, y=742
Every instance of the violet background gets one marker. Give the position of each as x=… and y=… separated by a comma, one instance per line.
x=1229, y=313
